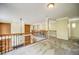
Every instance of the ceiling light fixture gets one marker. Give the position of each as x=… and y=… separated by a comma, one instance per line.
x=50, y=5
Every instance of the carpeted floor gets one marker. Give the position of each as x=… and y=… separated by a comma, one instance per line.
x=51, y=46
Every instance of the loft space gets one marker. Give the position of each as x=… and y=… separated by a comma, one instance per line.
x=39, y=29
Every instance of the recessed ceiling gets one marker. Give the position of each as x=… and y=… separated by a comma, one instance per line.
x=35, y=12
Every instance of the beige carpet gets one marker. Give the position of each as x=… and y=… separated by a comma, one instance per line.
x=51, y=46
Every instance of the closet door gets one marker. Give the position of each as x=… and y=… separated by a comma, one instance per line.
x=27, y=38
x=62, y=28
x=5, y=28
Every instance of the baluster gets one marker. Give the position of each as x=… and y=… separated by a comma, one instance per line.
x=5, y=43
x=16, y=40
x=8, y=43
x=1, y=46
x=14, y=43
x=11, y=43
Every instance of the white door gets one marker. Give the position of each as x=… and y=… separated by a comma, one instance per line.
x=62, y=28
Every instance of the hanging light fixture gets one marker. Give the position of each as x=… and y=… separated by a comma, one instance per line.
x=50, y=5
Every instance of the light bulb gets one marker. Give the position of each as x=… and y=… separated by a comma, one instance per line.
x=73, y=25
x=50, y=5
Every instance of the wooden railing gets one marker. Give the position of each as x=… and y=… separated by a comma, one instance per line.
x=40, y=31
x=10, y=42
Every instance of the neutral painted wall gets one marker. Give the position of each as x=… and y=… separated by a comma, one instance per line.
x=52, y=24
x=41, y=25
x=52, y=28
x=74, y=31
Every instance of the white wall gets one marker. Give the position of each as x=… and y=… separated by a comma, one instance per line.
x=74, y=32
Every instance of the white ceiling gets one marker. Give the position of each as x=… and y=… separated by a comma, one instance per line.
x=36, y=12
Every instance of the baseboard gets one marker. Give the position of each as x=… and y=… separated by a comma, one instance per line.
x=18, y=46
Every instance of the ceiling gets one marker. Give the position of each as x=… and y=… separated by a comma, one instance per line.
x=37, y=12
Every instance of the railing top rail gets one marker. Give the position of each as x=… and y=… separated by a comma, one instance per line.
x=13, y=34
